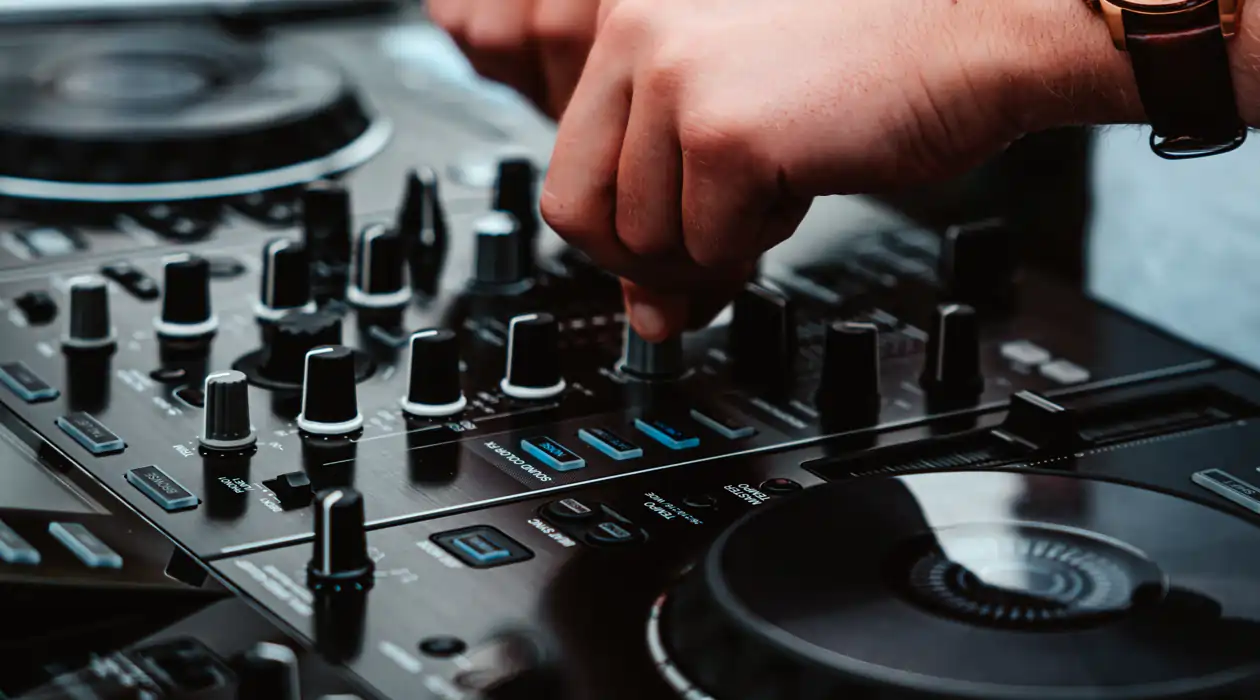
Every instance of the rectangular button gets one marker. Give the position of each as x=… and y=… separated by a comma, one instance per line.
x=90, y=550
x=25, y=383
x=90, y=433
x=1025, y=353
x=162, y=489
x=482, y=547
x=610, y=443
x=666, y=434
x=14, y=549
x=552, y=454
x=724, y=424
x=1064, y=372
x=1229, y=486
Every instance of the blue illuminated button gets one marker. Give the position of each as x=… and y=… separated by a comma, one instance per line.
x=90, y=433
x=25, y=383
x=724, y=424
x=610, y=443
x=552, y=454
x=666, y=434
x=480, y=548
x=86, y=546
x=14, y=549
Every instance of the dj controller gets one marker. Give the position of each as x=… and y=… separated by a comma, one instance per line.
x=302, y=399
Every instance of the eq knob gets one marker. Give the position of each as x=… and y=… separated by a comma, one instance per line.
x=226, y=422
x=848, y=389
x=533, y=361
x=516, y=192
x=89, y=326
x=286, y=280
x=433, y=384
x=422, y=225
x=340, y=560
x=378, y=280
x=292, y=337
x=499, y=263
x=326, y=222
x=650, y=361
x=268, y=670
x=186, y=311
x=330, y=404
x=762, y=338
x=952, y=369
x=977, y=264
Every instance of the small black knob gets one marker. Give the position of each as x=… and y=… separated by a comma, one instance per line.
x=952, y=369
x=326, y=222
x=286, y=280
x=330, y=404
x=977, y=264
x=292, y=337
x=516, y=192
x=422, y=225
x=186, y=311
x=268, y=670
x=533, y=358
x=762, y=338
x=89, y=326
x=379, y=280
x=848, y=389
x=649, y=361
x=498, y=265
x=433, y=382
x=340, y=559
x=227, y=425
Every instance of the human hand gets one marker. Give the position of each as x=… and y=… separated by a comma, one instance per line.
x=701, y=129
x=537, y=47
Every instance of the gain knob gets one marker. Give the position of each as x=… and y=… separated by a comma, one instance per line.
x=326, y=223
x=533, y=358
x=433, y=384
x=422, y=225
x=499, y=266
x=186, y=311
x=340, y=560
x=330, y=404
x=848, y=390
x=269, y=671
x=977, y=264
x=762, y=336
x=378, y=280
x=292, y=337
x=286, y=280
x=952, y=370
x=89, y=326
x=649, y=361
x=516, y=192
x=227, y=425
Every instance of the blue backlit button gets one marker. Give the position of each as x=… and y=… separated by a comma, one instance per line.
x=86, y=546
x=724, y=424
x=610, y=443
x=25, y=383
x=552, y=454
x=162, y=489
x=90, y=433
x=666, y=434
x=610, y=532
x=14, y=549
x=482, y=547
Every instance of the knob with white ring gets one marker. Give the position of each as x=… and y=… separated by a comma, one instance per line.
x=433, y=387
x=533, y=361
x=227, y=425
x=286, y=280
x=88, y=325
x=186, y=307
x=330, y=404
x=379, y=278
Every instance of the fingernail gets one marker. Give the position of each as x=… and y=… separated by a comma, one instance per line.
x=648, y=321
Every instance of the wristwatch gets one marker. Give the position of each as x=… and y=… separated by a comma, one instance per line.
x=1177, y=48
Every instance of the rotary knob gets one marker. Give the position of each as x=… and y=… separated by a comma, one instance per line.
x=292, y=338
x=650, y=361
x=270, y=671
x=286, y=280
x=227, y=425
x=516, y=192
x=326, y=222
x=499, y=263
x=762, y=335
x=952, y=369
x=533, y=361
x=89, y=326
x=422, y=225
x=379, y=280
x=848, y=389
x=330, y=404
x=340, y=560
x=186, y=311
x=977, y=264
x=433, y=386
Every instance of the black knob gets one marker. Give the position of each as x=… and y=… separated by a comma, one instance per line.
x=952, y=369
x=533, y=361
x=977, y=264
x=326, y=222
x=762, y=339
x=330, y=404
x=292, y=338
x=422, y=225
x=433, y=386
x=649, y=361
x=379, y=280
x=340, y=559
x=286, y=280
x=516, y=192
x=848, y=389
x=498, y=265
x=89, y=326
x=227, y=425
x=186, y=311
x=268, y=670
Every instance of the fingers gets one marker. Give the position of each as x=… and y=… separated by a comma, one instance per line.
x=650, y=174
x=500, y=46
x=655, y=315
x=565, y=30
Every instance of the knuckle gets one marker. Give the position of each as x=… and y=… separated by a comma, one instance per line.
x=565, y=215
x=629, y=25
x=666, y=73
x=716, y=138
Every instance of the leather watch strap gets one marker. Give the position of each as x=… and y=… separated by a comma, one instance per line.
x=1183, y=77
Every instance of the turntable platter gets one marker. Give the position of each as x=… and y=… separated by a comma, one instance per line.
x=971, y=585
